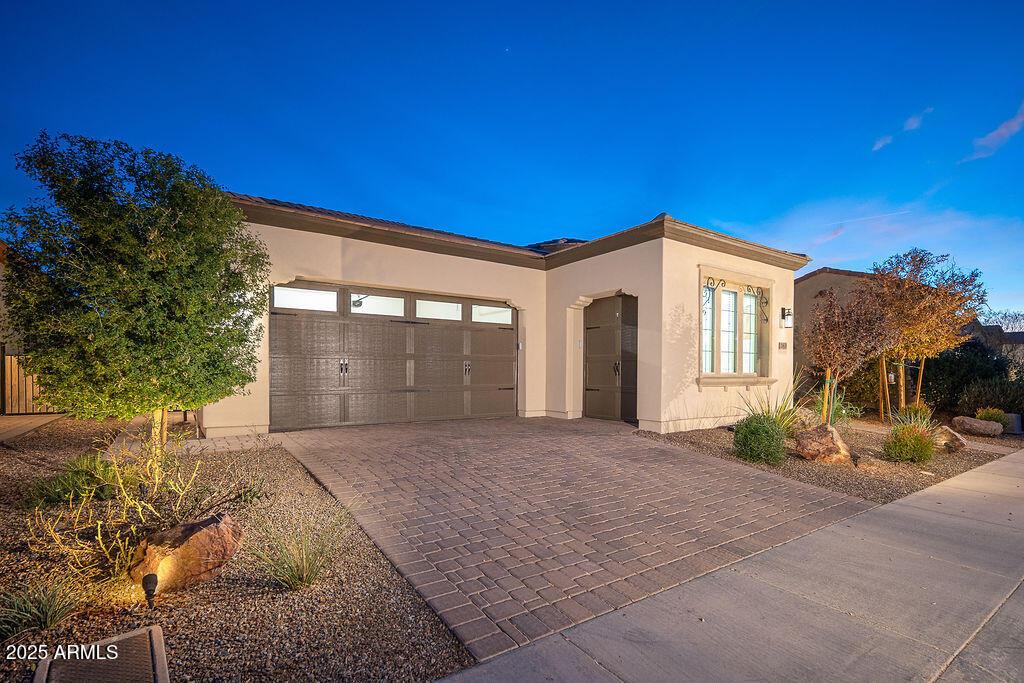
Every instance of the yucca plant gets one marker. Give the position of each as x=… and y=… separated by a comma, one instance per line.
x=295, y=558
x=37, y=605
x=842, y=411
x=782, y=409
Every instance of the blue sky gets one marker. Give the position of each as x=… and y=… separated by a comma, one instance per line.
x=848, y=133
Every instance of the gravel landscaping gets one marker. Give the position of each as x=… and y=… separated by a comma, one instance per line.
x=873, y=479
x=362, y=622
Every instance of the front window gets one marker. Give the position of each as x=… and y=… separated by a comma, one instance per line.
x=707, y=331
x=750, y=325
x=733, y=321
x=728, y=343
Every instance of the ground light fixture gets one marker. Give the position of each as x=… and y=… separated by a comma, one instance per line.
x=149, y=587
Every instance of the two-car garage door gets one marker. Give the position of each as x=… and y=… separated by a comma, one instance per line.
x=344, y=355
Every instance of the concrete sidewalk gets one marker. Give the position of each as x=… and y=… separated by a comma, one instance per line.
x=926, y=587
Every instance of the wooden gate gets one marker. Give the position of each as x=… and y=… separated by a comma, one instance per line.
x=19, y=393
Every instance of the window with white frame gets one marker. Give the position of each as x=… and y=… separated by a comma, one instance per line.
x=707, y=331
x=733, y=327
x=727, y=345
x=750, y=325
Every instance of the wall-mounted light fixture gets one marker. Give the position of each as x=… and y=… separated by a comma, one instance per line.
x=787, y=318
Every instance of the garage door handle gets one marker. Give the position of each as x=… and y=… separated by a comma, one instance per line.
x=506, y=388
x=410, y=322
x=591, y=390
x=409, y=391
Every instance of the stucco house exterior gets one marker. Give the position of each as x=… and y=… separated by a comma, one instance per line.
x=666, y=324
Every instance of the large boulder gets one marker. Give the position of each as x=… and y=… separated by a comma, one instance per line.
x=970, y=425
x=187, y=554
x=946, y=437
x=822, y=443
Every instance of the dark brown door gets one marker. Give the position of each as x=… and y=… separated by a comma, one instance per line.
x=349, y=367
x=610, y=358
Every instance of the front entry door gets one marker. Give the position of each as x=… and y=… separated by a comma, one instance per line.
x=609, y=368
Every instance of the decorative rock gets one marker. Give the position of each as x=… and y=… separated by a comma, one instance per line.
x=971, y=425
x=950, y=439
x=822, y=443
x=187, y=554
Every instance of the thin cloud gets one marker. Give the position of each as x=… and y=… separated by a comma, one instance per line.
x=988, y=145
x=881, y=142
x=914, y=122
x=829, y=236
x=873, y=230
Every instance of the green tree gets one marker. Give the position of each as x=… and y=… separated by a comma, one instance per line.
x=134, y=286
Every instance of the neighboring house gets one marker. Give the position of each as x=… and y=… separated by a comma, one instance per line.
x=666, y=324
x=806, y=289
x=808, y=286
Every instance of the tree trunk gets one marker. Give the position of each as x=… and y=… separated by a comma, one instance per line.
x=825, y=395
x=920, y=381
x=888, y=396
x=883, y=387
x=901, y=385
x=158, y=429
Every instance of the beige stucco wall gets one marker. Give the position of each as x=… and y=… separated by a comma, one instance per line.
x=685, y=405
x=634, y=270
x=296, y=254
x=663, y=274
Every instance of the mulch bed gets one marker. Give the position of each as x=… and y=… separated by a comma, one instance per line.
x=362, y=622
x=876, y=480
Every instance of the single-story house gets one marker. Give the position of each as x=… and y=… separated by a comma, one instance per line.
x=665, y=324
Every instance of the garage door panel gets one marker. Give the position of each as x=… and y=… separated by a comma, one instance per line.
x=492, y=342
x=487, y=402
x=375, y=373
x=438, y=404
x=438, y=340
x=437, y=372
x=348, y=368
x=302, y=374
x=488, y=372
x=323, y=338
x=375, y=338
x=366, y=408
x=285, y=334
x=296, y=411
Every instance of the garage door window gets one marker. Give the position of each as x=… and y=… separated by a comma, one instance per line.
x=492, y=314
x=370, y=304
x=306, y=299
x=438, y=310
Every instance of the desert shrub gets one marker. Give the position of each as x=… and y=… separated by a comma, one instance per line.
x=947, y=375
x=88, y=474
x=916, y=413
x=1007, y=395
x=783, y=409
x=993, y=415
x=153, y=489
x=760, y=438
x=842, y=410
x=909, y=442
x=295, y=558
x=37, y=605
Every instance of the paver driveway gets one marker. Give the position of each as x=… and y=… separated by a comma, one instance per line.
x=512, y=529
